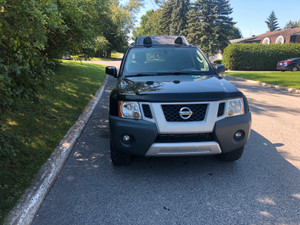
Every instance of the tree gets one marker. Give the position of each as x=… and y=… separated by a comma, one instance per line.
x=272, y=22
x=235, y=33
x=166, y=17
x=170, y=19
x=209, y=25
x=179, y=17
x=121, y=24
x=24, y=69
x=80, y=26
x=101, y=46
x=292, y=24
x=36, y=32
x=23, y=66
x=149, y=24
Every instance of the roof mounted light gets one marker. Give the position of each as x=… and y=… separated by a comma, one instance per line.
x=147, y=41
x=178, y=41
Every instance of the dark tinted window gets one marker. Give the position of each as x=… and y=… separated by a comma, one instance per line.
x=160, y=59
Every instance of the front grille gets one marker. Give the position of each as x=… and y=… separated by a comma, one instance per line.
x=147, y=111
x=221, y=109
x=171, y=138
x=171, y=112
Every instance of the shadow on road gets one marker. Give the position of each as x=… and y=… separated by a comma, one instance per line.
x=258, y=107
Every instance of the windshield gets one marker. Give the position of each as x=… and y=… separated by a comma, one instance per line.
x=162, y=60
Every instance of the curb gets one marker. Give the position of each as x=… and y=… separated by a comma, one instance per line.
x=30, y=202
x=278, y=87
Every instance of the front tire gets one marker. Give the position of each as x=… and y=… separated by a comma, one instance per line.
x=294, y=69
x=119, y=158
x=231, y=156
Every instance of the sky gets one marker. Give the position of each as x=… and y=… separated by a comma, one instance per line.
x=250, y=15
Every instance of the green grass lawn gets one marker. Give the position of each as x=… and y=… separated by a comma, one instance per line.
x=114, y=55
x=42, y=125
x=287, y=79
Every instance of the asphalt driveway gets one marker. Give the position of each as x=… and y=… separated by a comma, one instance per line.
x=263, y=187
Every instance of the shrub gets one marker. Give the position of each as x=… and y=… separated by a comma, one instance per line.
x=218, y=61
x=23, y=69
x=258, y=56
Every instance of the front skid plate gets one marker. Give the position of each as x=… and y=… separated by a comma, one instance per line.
x=184, y=149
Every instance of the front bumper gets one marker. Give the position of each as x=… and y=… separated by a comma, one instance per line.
x=143, y=136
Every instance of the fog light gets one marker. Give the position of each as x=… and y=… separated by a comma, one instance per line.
x=126, y=138
x=136, y=115
x=239, y=135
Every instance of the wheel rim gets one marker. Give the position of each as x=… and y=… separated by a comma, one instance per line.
x=294, y=69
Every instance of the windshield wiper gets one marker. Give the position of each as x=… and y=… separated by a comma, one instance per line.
x=183, y=73
x=142, y=75
x=168, y=74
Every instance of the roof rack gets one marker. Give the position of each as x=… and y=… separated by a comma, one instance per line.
x=148, y=41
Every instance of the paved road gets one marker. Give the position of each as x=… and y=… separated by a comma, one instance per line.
x=263, y=187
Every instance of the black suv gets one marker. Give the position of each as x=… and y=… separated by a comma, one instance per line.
x=170, y=101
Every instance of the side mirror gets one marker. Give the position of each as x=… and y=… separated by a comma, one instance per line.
x=111, y=70
x=220, y=68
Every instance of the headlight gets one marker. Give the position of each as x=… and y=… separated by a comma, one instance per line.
x=235, y=107
x=129, y=110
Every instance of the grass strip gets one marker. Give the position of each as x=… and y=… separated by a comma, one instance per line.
x=42, y=125
x=287, y=79
x=114, y=55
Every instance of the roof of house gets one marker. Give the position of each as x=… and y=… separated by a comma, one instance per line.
x=242, y=40
x=277, y=33
x=287, y=32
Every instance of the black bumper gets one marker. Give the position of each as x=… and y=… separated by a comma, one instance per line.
x=143, y=133
x=226, y=128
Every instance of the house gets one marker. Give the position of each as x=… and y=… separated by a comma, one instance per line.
x=291, y=35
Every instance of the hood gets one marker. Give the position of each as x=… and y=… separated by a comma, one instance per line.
x=176, y=88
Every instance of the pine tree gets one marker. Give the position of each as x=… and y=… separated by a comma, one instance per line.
x=179, y=17
x=209, y=25
x=235, y=33
x=165, y=21
x=272, y=22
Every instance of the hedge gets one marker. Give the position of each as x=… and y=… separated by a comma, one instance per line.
x=258, y=56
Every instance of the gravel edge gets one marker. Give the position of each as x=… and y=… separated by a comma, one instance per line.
x=28, y=205
x=278, y=87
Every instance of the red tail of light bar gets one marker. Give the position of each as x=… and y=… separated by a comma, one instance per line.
x=287, y=63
